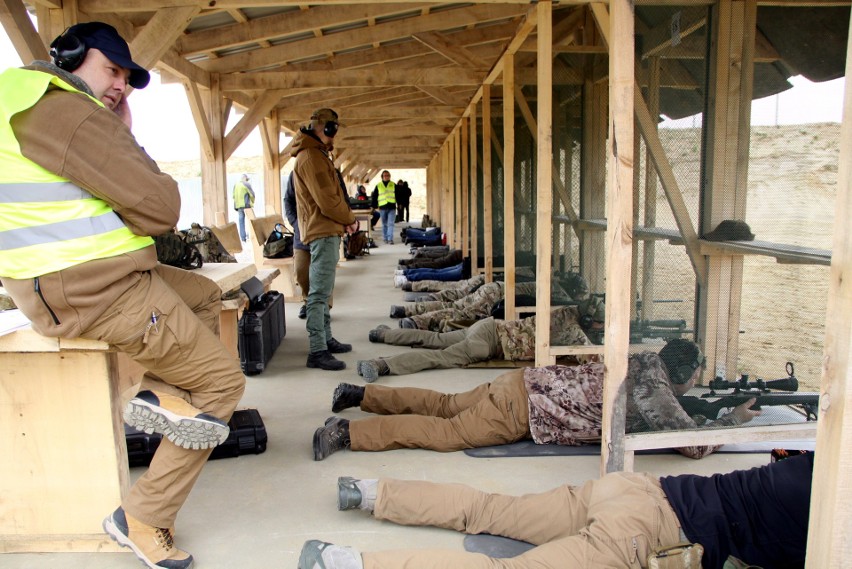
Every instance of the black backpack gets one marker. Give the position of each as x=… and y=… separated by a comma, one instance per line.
x=173, y=249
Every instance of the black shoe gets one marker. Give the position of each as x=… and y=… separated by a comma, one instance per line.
x=336, y=347
x=334, y=436
x=397, y=312
x=377, y=335
x=345, y=396
x=324, y=360
x=407, y=287
x=303, y=312
x=407, y=323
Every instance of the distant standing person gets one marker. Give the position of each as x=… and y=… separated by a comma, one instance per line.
x=324, y=215
x=384, y=199
x=243, y=198
x=403, y=197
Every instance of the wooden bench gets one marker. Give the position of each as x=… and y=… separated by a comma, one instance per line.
x=258, y=231
x=62, y=432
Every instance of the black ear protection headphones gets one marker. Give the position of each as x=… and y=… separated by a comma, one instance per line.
x=330, y=129
x=684, y=371
x=68, y=51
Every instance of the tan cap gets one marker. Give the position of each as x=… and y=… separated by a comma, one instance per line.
x=322, y=116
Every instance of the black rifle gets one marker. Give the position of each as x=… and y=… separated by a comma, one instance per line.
x=743, y=390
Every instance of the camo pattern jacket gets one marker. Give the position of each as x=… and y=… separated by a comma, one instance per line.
x=517, y=337
x=473, y=307
x=487, y=293
x=470, y=284
x=566, y=403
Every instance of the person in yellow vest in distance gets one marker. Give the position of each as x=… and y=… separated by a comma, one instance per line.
x=243, y=198
x=384, y=198
x=81, y=202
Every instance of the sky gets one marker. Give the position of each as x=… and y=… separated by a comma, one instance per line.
x=163, y=125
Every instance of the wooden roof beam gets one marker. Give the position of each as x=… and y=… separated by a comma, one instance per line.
x=349, y=39
x=161, y=31
x=21, y=32
x=379, y=76
x=261, y=107
x=458, y=55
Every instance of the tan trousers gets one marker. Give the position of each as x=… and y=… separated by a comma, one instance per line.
x=492, y=414
x=613, y=522
x=184, y=357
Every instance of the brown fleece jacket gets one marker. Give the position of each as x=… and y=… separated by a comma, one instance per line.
x=320, y=206
x=71, y=136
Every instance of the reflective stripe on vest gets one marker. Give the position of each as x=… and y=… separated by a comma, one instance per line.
x=46, y=222
x=386, y=193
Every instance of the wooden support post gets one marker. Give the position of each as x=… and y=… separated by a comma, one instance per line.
x=650, y=218
x=544, y=182
x=270, y=136
x=509, y=182
x=593, y=192
x=213, y=173
x=487, y=197
x=829, y=546
x=464, y=187
x=474, y=194
x=619, y=234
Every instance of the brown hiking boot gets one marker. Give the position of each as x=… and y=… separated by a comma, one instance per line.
x=153, y=546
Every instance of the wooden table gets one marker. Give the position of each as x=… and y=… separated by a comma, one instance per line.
x=62, y=433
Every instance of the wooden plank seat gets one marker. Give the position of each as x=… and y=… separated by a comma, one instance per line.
x=258, y=230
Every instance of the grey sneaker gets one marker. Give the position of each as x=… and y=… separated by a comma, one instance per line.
x=370, y=370
x=354, y=493
x=377, y=334
x=318, y=554
x=175, y=419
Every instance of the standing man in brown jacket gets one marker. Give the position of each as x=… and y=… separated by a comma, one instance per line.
x=81, y=200
x=324, y=215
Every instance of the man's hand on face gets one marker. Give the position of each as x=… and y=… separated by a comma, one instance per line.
x=122, y=109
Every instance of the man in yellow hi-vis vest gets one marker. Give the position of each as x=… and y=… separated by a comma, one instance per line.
x=81, y=200
x=384, y=198
x=243, y=198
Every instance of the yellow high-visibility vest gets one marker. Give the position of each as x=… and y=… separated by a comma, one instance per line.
x=48, y=223
x=386, y=193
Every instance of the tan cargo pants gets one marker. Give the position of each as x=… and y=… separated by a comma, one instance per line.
x=491, y=414
x=184, y=357
x=613, y=522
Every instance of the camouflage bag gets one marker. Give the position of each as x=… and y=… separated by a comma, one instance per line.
x=680, y=556
x=208, y=245
x=173, y=249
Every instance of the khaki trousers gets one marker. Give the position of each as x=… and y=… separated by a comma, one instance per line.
x=492, y=414
x=454, y=349
x=184, y=357
x=613, y=522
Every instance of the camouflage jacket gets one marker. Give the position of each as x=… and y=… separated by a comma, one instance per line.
x=475, y=302
x=566, y=403
x=470, y=284
x=517, y=337
x=472, y=307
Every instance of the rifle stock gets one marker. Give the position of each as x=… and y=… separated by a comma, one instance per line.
x=710, y=409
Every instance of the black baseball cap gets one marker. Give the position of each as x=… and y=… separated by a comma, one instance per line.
x=106, y=39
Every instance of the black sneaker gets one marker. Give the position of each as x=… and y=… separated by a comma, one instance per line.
x=324, y=360
x=408, y=323
x=303, y=312
x=397, y=311
x=337, y=347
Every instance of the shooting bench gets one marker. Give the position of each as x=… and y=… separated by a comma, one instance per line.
x=62, y=432
x=258, y=231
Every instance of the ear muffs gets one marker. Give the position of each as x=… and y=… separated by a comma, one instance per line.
x=68, y=51
x=685, y=371
x=330, y=129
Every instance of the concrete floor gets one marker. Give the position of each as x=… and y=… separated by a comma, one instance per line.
x=255, y=512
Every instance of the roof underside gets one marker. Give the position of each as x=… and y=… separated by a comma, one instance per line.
x=401, y=74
